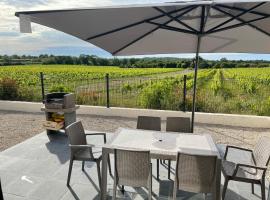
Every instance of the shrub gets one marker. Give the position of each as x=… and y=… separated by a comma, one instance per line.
x=9, y=89
x=88, y=97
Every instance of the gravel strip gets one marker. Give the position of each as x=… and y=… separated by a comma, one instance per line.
x=16, y=127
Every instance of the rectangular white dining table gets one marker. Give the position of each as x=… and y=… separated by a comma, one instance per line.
x=162, y=145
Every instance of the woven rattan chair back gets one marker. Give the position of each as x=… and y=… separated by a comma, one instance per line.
x=80, y=150
x=262, y=152
x=195, y=173
x=149, y=123
x=76, y=134
x=178, y=124
x=132, y=168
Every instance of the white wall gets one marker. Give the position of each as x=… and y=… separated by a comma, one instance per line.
x=210, y=118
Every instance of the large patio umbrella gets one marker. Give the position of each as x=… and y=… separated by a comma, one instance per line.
x=222, y=26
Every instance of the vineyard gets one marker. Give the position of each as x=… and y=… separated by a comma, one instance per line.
x=236, y=90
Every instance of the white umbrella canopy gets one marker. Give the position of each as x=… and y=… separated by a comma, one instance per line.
x=166, y=28
x=203, y=26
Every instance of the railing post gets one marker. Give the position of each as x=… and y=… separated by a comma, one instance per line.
x=42, y=86
x=184, y=93
x=107, y=90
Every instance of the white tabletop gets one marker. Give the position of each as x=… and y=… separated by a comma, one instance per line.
x=166, y=143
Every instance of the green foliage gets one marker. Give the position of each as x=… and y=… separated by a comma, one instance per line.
x=29, y=75
x=164, y=62
x=217, y=82
x=126, y=88
x=159, y=95
x=230, y=90
x=60, y=88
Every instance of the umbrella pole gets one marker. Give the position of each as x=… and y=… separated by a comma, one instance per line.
x=195, y=82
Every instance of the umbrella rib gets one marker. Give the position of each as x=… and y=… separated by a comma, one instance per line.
x=243, y=22
x=149, y=32
x=236, y=16
x=135, y=24
x=175, y=19
x=171, y=28
x=203, y=21
x=242, y=9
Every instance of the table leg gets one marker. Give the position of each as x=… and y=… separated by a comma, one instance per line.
x=103, y=190
x=216, y=193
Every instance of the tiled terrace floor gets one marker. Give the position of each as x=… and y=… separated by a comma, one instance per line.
x=37, y=169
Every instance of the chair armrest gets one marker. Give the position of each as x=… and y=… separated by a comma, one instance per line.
x=235, y=147
x=101, y=134
x=249, y=166
x=81, y=146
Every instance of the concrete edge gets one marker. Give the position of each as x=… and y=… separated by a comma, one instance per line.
x=206, y=118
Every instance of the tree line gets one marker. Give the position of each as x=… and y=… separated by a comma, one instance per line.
x=149, y=62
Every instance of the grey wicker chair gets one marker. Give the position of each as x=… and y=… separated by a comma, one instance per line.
x=150, y=123
x=132, y=168
x=253, y=171
x=177, y=124
x=81, y=151
x=195, y=173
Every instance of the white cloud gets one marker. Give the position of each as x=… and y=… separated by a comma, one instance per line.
x=42, y=37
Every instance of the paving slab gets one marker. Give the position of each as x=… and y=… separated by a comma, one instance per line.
x=36, y=169
x=48, y=190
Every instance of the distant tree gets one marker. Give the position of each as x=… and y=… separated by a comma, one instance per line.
x=225, y=65
x=84, y=59
x=223, y=60
x=115, y=62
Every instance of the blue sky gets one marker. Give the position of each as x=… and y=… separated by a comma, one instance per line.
x=45, y=40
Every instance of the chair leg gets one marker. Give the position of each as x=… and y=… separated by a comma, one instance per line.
x=263, y=189
x=252, y=188
x=174, y=190
x=204, y=196
x=150, y=183
x=109, y=165
x=114, y=188
x=158, y=169
x=225, y=188
x=123, y=189
x=83, y=165
x=69, y=171
x=99, y=174
x=169, y=169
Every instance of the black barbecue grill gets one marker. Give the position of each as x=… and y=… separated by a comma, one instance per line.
x=60, y=111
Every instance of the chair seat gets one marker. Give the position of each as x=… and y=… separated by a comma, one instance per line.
x=84, y=154
x=228, y=168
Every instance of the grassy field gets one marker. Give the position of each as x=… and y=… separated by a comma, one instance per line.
x=29, y=75
x=23, y=82
x=239, y=90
